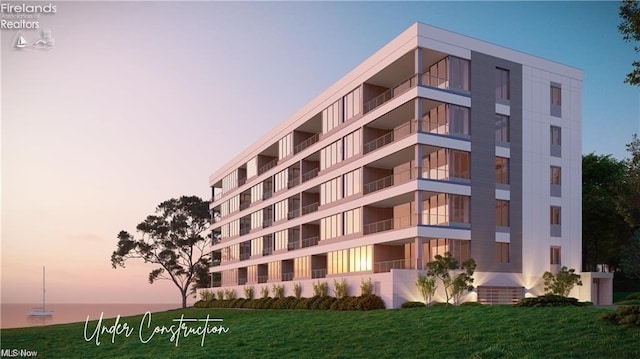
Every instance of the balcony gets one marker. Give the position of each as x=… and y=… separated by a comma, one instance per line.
x=391, y=93
x=310, y=174
x=245, y=256
x=306, y=143
x=387, y=266
x=293, y=182
x=389, y=224
x=287, y=277
x=398, y=133
x=318, y=273
x=308, y=242
x=262, y=278
x=267, y=251
x=242, y=281
x=293, y=213
x=392, y=180
x=267, y=223
x=267, y=166
x=310, y=208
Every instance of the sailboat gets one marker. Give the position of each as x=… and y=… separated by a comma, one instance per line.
x=41, y=312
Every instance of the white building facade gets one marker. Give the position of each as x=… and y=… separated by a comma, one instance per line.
x=437, y=143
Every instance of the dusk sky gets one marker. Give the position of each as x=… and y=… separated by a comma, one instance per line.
x=139, y=102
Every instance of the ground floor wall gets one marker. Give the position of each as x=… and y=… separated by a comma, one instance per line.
x=399, y=286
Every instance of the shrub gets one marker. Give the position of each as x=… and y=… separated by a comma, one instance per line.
x=471, y=304
x=229, y=294
x=412, y=305
x=548, y=300
x=366, y=287
x=326, y=302
x=427, y=286
x=278, y=291
x=320, y=289
x=206, y=295
x=561, y=283
x=442, y=304
x=370, y=302
x=633, y=296
x=264, y=291
x=627, y=315
x=303, y=303
x=340, y=288
x=297, y=289
x=220, y=294
x=248, y=292
x=345, y=303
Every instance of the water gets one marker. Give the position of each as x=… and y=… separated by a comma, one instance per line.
x=15, y=315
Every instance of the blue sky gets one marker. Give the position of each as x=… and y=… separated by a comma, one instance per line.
x=139, y=102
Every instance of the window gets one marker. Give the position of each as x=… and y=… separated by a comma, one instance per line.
x=352, y=144
x=352, y=183
x=460, y=164
x=282, y=180
x=285, y=146
x=502, y=213
x=459, y=73
x=281, y=240
x=281, y=210
x=256, y=219
x=502, y=84
x=502, y=252
x=460, y=209
x=275, y=270
x=301, y=267
x=352, y=104
x=502, y=129
x=332, y=116
x=331, y=155
x=256, y=193
x=556, y=135
x=256, y=246
x=360, y=259
x=437, y=246
x=556, y=141
x=330, y=191
x=502, y=170
x=555, y=175
x=352, y=222
x=556, y=100
x=554, y=256
x=555, y=215
x=337, y=261
x=331, y=227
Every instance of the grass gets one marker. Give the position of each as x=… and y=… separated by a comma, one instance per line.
x=441, y=332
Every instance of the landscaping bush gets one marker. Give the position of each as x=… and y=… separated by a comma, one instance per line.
x=470, y=304
x=229, y=294
x=340, y=288
x=264, y=291
x=370, y=302
x=633, y=296
x=345, y=303
x=413, y=305
x=297, y=289
x=220, y=294
x=326, y=302
x=248, y=292
x=627, y=315
x=441, y=304
x=320, y=289
x=549, y=300
x=366, y=287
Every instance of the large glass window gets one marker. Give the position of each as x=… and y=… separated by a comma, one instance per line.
x=332, y=116
x=352, y=183
x=460, y=164
x=352, y=221
x=460, y=209
x=554, y=256
x=352, y=144
x=502, y=129
x=502, y=170
x=285, y=146
x=330, y=191
x=302, y=267
x=437, y=247
x=502, y=84
x=281, y=240
x=274, y=270
x=331, y=227
x=360, y=259
x=352, y=104
x=256, y=246
x=281, y=209
x=556, y=100
x=282, y=180
x=459, y=73
x=256, y=219
x=331, y=155
x=444, y=209
x=556, y=135
x=256, y=193
x=338, y=261
x=447, y=119
x=502, y=213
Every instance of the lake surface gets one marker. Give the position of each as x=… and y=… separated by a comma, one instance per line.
x=15, y=315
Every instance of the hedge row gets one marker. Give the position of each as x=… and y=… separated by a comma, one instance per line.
x=365, y=302
x=551, y=300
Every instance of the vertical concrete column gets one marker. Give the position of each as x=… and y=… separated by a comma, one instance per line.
x=417, y=162
x=417, y=198
x=418, y=245
x=417, y=114
x=417, y=55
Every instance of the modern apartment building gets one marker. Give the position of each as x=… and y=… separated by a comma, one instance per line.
x=437, y=143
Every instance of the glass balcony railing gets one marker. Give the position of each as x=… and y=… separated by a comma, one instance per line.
x=387, y=266
x=389, y=224
x=391, y=180
x=391, y=93
x=319, y=273
x=398, y=133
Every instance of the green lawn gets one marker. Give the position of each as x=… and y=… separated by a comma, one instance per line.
x=441, y=332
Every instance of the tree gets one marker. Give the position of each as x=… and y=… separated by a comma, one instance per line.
x=629, y=191
x=561, y=283
x=630, y=29
x=631, y=257
x=604, y=229
x=463, y=282
x=453, y=286
x=172, y=239
x=427, y=286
